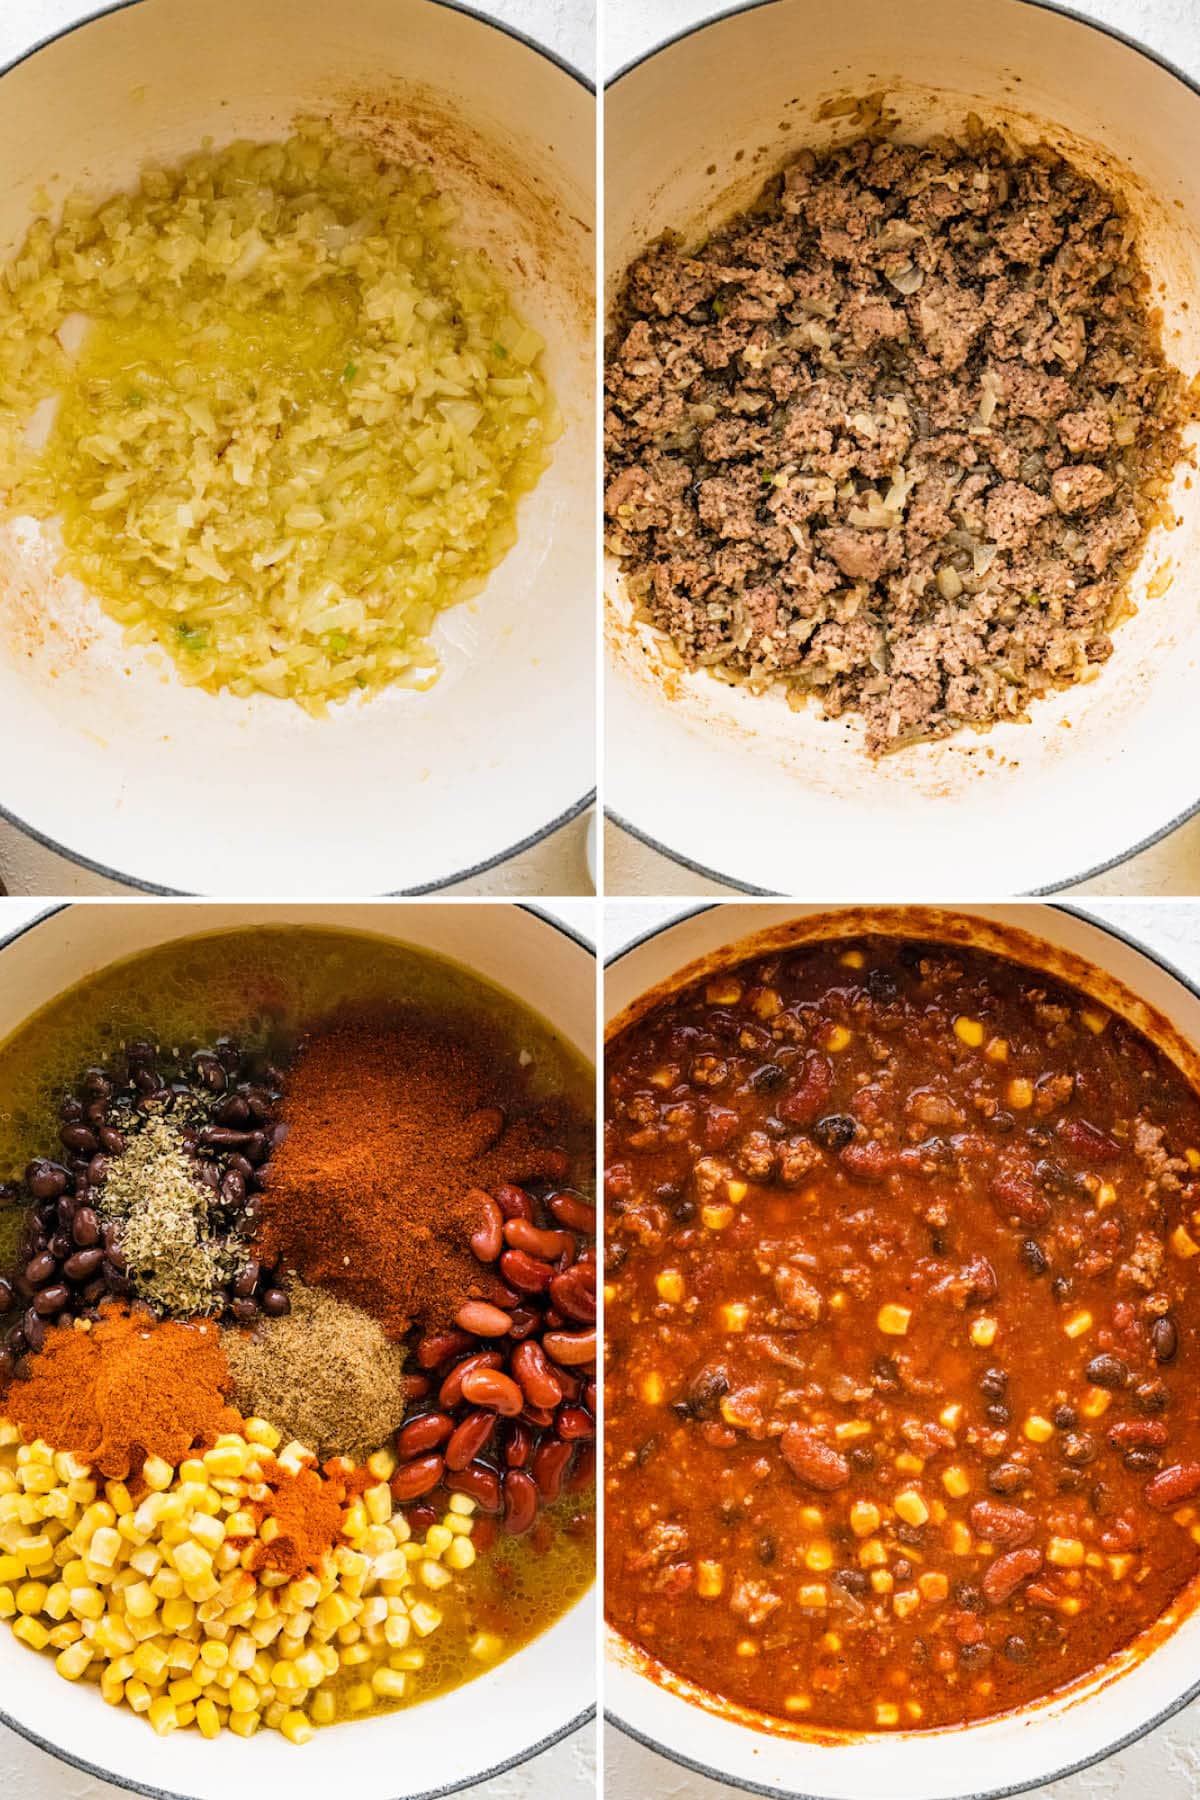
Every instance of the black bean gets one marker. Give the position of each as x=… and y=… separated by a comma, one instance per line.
x=238, y=1162
x=975, y=1656
x=994, y=1383
x=246, y=1279
x=1142, y=1462
x=83, y=1265
x=766, y=1079
x=233, y=1111
x=1164, y=1335
x=51, y=1300
x=275, y=1303
x=852, y=1581
x=40, y=1268
x=244, y=1311
x=862, y=1459
x=1006, y=1478
x=997, y=1413
x=1107, y=1372
x=79, y=1139
x=221, y=1137
x=885, y=1374
x=969, y=1596
x=1015, y=1648
x=111, y=1140
x=65, y=1210
x=902, y=1568
x=6, y=1296
x=7, y=1359
x=71, y=1110
x=683, y=1211
x=95, y=1291
x=114, y=1258
x=1071, y=1481
x=210, y=1174
x=46, y=1180
x=765, y=1550
x=835, y=1132
x=1100, y=1498
x=258, y=1148
x=59, y=1246
x=1151, y=1397
x=85, y=1227
x=1061, y=1287
x=117, y=1282
x=1079, y=1448
x=146, y=1081
x=95, y=1113
x=1066, y=1418
x=33, y=1329
x=912, y=1535
x=96, y=1083
x=233, y=1188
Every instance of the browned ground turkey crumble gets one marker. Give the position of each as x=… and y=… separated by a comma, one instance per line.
x=896, y=436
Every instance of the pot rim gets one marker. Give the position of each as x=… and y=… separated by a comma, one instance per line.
x=125, y=1782
x=577, y=807
x=1175, y=1705
x=1130, y=43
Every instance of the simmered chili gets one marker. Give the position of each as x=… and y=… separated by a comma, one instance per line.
x=903, y=1426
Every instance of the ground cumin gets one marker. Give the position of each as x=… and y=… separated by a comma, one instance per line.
x=368, y=1195
x=128, y=1388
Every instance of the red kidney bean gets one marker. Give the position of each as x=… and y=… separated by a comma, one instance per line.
x=514, y=1202
x=552, y=1319
x=482, y=1320
x=582, y=1472
x=574, y=1294
x=505, y=1296
x=539, y=1384
x=570, y=1384
x=573, y=1212
x=417, y=1386
x=518, y=1444
x=1138, y=1434
x=590, y=1397
x=1173, y=1485
x=437, y=1346
x=571, y=1422
x=524, y=1322
x=421, y=1515
x=450, y=1392
x=521, y=1235
x=469, y=1438
x=480, y=1482
x=526, y=1272
x=540, y=1417
x=549, y=1465
x=569, y=1256
x=423, y=1433
x=520, y=1502
x=1004, y=1576
x=488, y=1241
x=416, y=1478
x=571, y=1347
x=492, y=1388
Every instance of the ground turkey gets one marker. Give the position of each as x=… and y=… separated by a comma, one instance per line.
x=889, y=438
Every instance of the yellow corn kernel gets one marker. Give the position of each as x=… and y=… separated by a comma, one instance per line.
x=814, y=1595
x=227, y=1460
x=32, y=1632
x=872, y=1554
x=911, y=1507
x=1065, y=1553
x=959, y=1538
x=956, y=1481
x=105, y=1547
x=723, y=991
x=1078, y=1324
x=157, y=1474
x=905, y=1602
x=886, y=1713
x=852, y=959
x=893, y=1320
x=244, y=1724
x=736, y=1190
x=669, y=1283
x=933, y=1585
x=1037, y=1429
x=837, y=1039
x=208, y=1719
x=1095, y=1021
x=322, y=1708
x=850, y=1429
x=909, y=1464
x=710, y=1579
x=818, y=1558
x=983, y=1333
x=1192, y=1157
x=485, y=1646
x=1095, y=1403
x=1119, y=1566
x=797, y=1703
x=765, y=1003
x=460, y=1555
x=716, y=1216
x=72, y=1661
x=734, y=1315
x=996, y=1050
x=296, y=1728
x=389, y=1684
x=812, y=1518
x=1106, y=1195
x=664, y=1078
x=864, y=1518
x=1019, y=1093
x=163, y=1715
x=425, y=1618
x=1182, y=1242
x=969, y=1031
x=652, y=1389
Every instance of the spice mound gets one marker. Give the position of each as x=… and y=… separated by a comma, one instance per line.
x=326, y=1374
x=369, y=1194
x=126, y=1388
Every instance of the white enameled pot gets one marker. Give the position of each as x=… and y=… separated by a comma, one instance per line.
x=784, y=802
x=108, y=757
x=513, y=1710
x=1100, y=1714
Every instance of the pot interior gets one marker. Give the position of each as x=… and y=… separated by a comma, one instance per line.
x=693, y=133
x=148, y=778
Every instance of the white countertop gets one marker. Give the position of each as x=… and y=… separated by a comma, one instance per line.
x=559, y=863
x=1165, y=1765
x=1171, y=27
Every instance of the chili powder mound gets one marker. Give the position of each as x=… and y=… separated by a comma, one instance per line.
x=369, y=1193
x=308, y=1512
x=129, y=1388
